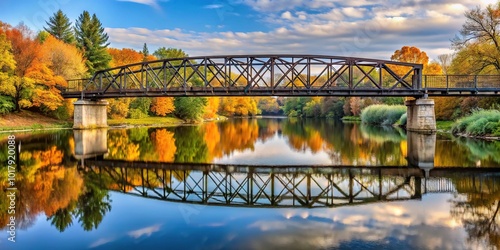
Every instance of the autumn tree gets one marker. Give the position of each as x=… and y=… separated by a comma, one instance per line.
x=7, y=67
x=162, y=106
x=60, y=27
x=91, y=38
x=63, y=59
x=480, y=38
x=25, y=50
x=411, y=54
x=212, y=107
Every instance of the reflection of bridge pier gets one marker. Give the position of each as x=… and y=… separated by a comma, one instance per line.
x=90, y=143
x=421, y=150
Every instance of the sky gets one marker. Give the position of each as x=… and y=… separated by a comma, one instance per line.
x=363, y=28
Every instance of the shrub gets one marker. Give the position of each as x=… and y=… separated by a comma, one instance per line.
x=137, y=114
x=382, y=114
x=483, y=122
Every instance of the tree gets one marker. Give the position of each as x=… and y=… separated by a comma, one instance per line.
x=124, y=56
x=190, y=108
x=162, y=105
x=480, y=37
x=145, y=52
x=25, y=50
x=164, y=53
x=91, y=38
x=445, y=62
x=63, y=59
x=413, y=54
x=60, y=27
x=7, y=66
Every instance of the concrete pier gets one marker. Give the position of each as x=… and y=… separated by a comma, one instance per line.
x=90, y=114
x=420, y=115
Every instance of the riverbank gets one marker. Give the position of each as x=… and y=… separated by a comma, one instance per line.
x=30, y=121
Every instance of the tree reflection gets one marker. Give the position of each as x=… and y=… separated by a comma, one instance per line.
x=48, y=182
x=478, y=207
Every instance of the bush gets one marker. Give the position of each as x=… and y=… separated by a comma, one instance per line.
x=137, y=114
x=6, y=104
x=480, y=123
x=382, y=114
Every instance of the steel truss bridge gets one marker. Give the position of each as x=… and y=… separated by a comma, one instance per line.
x=276, y=75
x=266, y=186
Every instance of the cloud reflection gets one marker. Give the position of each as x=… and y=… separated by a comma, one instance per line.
x=147, y=231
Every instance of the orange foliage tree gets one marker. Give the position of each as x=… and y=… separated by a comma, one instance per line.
x=162, y=105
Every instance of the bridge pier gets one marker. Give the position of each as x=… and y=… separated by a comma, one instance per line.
x=90, y=114
x=420, y=115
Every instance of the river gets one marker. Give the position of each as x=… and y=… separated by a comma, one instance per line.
x=266, y=183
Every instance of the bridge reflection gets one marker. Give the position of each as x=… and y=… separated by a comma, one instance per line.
x=268, y=186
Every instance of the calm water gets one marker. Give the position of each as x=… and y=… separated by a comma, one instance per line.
x=252, y=184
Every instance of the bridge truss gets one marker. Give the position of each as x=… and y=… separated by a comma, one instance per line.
x=253, y=75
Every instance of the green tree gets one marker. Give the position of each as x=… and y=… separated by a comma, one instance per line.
x=60, y=27
x=145, y=52
x=164, y=53
x=190, y=108
x=91, y=38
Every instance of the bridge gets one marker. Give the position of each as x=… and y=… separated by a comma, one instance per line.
x=271, y=75
x=271, y=186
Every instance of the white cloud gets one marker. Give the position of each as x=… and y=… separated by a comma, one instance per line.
x=213, y=6
x=152, y=3
x=287, y=15
x=362, y=28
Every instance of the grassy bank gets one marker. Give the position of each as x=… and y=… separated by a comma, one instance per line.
x=148, y=121
x=26, y=120
x=483, y=123
x=351, y=118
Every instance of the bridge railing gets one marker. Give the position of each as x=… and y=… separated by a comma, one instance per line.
x=464, y=82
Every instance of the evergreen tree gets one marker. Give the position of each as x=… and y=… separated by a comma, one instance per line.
x=93, y=41
x=60, y=27
x=145, y=52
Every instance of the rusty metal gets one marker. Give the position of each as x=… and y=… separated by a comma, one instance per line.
x=253, y=75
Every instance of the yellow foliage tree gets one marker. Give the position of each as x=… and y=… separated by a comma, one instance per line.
x=162, y=105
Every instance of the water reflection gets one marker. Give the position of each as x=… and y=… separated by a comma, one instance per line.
x=151, y=169
x=287, y=142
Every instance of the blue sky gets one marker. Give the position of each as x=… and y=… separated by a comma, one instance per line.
x=364, y=28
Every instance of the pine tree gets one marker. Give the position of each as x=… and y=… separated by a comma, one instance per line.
x=145, y=52
x=93, y=41
x=60, y=27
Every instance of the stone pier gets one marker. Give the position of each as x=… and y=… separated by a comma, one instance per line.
x=420, y=116
x=90, y=114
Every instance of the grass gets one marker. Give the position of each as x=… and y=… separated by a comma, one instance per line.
x=381, y=114
x=444, y=125
x=351, y=118
x=27, y=120
x=480, y=123
x=150, y=121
